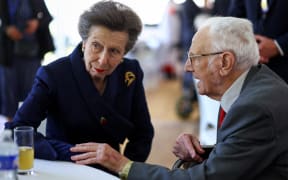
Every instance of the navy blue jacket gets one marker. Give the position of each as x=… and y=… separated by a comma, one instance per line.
x=272, y=25
x=63, y=92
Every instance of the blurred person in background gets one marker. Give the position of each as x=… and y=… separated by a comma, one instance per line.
x=94, y=94
x=252, y=139
x=169, y=50
x=24, y=39
x=220, y=7
x=271, y=30
x=188, y=12
x=191, y=15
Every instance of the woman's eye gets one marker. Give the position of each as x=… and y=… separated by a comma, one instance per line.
x=96, y=46
x=115, y=52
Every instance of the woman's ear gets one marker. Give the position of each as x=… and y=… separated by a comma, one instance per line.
x=83, y=46
x=228, y=62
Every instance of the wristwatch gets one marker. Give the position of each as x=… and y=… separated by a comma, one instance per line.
x=123, y=174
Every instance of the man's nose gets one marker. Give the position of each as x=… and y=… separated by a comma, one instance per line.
x=188, y=66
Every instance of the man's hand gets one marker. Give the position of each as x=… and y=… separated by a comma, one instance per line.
x=187, y=147
x=267, y=48
x=32, y=26
x=13, y=33
x=96, y=153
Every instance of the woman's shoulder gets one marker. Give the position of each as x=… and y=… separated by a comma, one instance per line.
x=57, y=70
x=59, y=66
x=63, y=61
x=131, y=63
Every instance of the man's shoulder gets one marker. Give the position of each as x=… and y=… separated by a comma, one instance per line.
x=263, y=86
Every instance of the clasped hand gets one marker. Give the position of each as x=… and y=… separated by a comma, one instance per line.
x=188, y=148
x=15, y=34
x=267, y=48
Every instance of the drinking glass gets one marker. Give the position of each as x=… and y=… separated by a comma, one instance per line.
x=24, y=138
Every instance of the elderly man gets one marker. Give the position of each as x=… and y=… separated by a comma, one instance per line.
x=252, y=140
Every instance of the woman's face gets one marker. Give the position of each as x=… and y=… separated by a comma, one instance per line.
x=103, y=51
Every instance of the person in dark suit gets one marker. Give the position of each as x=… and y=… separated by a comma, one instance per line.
x=94, y=94
x=220, y=8
x=252, y=140
x=24, y=39
x=271, y=30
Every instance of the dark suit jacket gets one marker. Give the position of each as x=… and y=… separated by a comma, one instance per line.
x=188, y=14
x=252, y=142
x=43, y=35
x=220, y=7
x=76, y=113
x=273, y=25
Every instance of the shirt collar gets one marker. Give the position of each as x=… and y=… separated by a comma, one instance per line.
x=232, y=93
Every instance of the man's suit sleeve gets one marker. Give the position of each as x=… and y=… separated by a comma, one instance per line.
x=245, y=138
x=283, y=43
x=142, y=171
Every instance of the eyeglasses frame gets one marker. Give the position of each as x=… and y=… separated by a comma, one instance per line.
x=202, y=55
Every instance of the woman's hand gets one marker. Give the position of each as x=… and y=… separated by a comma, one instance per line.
x=98, y=153
x=187, y=147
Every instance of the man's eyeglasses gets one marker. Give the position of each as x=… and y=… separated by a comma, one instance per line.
x=191, y=57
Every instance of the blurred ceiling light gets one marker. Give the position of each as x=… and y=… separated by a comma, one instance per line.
x=151, y=12
x=179, y=1
x=200, y=3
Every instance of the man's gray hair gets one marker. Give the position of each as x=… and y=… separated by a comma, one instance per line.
x=235, y=35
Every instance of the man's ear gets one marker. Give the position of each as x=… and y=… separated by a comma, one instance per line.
x=228, y=62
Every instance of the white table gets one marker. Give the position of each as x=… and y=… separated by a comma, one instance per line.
x=59, y=170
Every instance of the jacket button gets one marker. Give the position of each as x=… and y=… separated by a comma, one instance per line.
x=103, y=121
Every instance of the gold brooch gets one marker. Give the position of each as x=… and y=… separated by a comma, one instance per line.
x=129, y=78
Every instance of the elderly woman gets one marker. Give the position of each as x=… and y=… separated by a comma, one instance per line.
x=94, y=94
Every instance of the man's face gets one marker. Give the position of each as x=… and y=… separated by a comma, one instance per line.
x=205, y=71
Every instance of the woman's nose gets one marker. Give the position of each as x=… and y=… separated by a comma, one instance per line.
x=103, y=58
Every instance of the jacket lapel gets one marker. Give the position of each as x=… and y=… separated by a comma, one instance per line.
x=102, y=112
x=88, y=91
